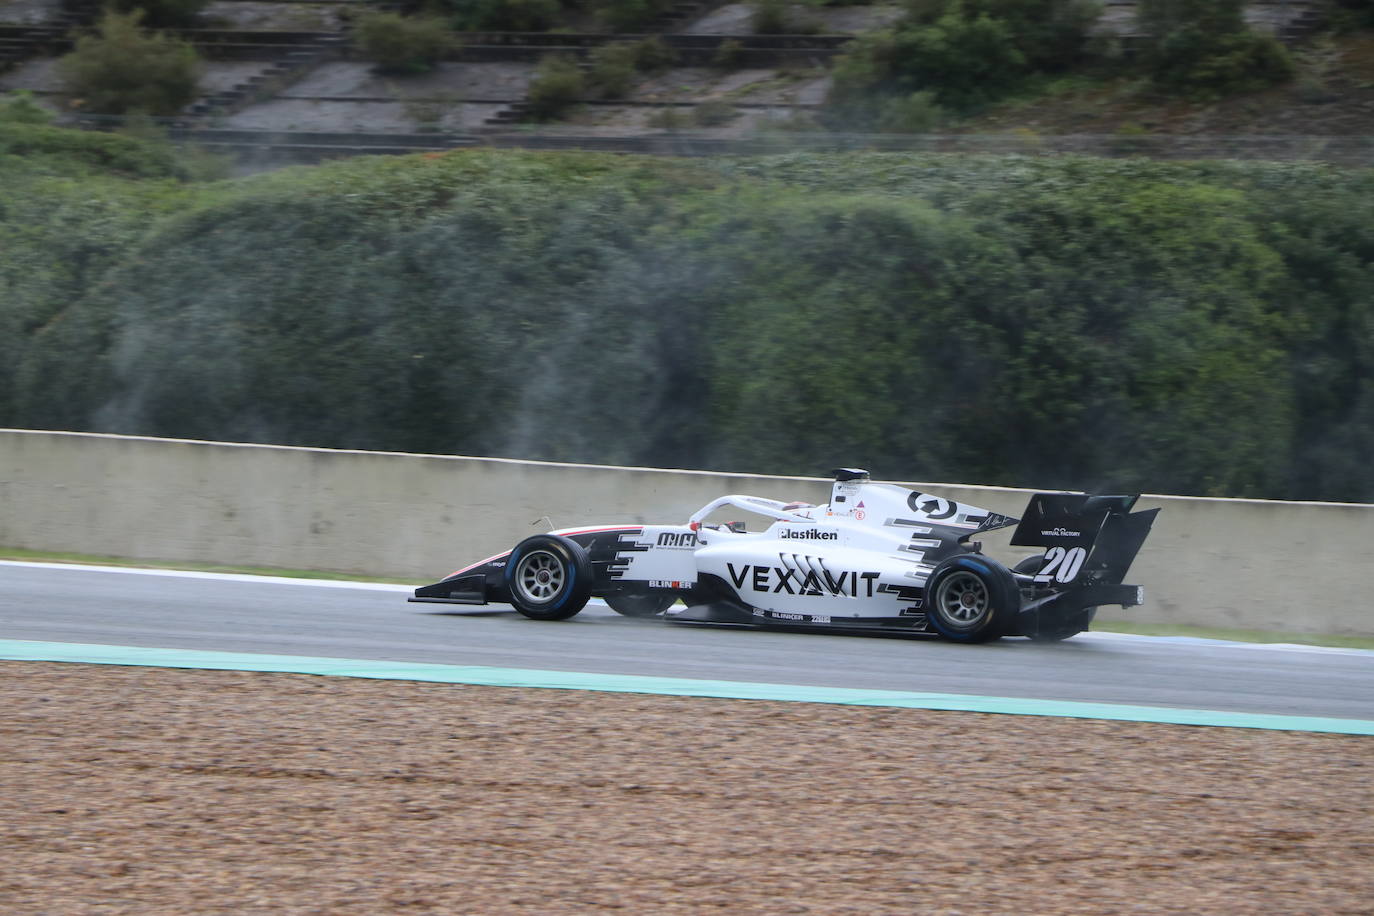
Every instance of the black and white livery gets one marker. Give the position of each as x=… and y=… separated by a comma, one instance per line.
x=876, y=558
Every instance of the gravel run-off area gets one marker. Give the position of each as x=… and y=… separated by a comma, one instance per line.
x=151, y=791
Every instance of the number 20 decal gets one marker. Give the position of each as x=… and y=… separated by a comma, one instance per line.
x=1061, y=564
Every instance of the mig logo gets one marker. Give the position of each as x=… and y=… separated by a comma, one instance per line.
x=677, y=539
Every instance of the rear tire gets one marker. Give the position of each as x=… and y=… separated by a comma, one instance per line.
x=971, y=598
x=548, y=577
x=1064, y=631
x=1030, y=566
x=630, y=604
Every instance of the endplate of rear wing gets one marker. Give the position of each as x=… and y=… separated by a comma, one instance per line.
x=1106, y=529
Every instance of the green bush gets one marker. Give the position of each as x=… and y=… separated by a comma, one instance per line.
x=799, y=122
x=1050, y=34
x=1159, y=18
x=501, y=15
x=623, y=16
x=714, y=113
x=1350, y=15
x=162, y=13
x=916, y=113
x=558, y=84
x=186, y=160
x=62, y=149
x=652, y=55
x=404, y=44
x=1204, y=48
x=669, y=118
x=968, y=60
x=729, y=55
x=1066, y=322
x=74, y=204
x=963, y=62
x=967, y=53
x=1196, y=63
x=627, y=16
x=614, y=67
x=20, y=108
x=121, y=69
x=612, y=70
x=770, y=17
x=778, y=17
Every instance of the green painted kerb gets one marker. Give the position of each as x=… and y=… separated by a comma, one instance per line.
x=23, y=650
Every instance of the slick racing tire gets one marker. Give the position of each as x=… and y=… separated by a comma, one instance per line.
x=971, y=598
x=549, y=577
x=642, y=604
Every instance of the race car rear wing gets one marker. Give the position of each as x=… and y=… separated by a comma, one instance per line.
x=1091, y=539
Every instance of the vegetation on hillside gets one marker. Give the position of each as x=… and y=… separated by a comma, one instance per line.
x=944, y=65
x=162, y=13
x=1186, y=328
x=956, y=57
x=560, y=81
x=121, y=68
x=1352, y=14
x=1204, y=48
x=403, y=44
x=624, y=16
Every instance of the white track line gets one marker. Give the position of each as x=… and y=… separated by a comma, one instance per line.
x=1103, y=636
x=221, y=577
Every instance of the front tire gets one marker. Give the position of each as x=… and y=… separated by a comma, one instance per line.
x=971, y=599
x=548, y=577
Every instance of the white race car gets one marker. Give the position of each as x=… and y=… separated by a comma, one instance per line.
x=876, y=558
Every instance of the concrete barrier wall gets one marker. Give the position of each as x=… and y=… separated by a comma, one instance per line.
x=1258, y=564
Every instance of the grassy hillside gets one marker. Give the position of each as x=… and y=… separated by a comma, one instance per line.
x=1187, y=328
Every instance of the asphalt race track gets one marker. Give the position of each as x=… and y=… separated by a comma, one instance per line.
x=342, y=620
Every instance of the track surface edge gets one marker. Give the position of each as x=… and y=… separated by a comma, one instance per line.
x=83, y=653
